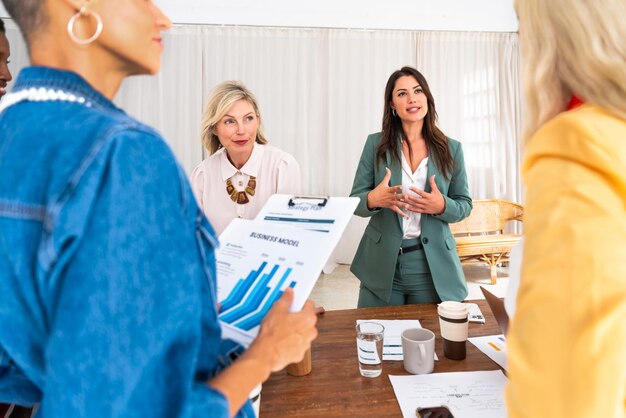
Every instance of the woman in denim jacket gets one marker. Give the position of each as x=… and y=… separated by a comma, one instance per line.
x=107, y=274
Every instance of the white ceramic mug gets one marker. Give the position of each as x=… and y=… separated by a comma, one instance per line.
x=418, y=350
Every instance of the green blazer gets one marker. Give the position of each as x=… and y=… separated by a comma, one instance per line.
x=375, y=260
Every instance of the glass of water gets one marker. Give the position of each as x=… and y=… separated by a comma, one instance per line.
x=369, y=347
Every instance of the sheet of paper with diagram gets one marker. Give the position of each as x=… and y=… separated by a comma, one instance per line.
x=258, y=260
x=466, y=394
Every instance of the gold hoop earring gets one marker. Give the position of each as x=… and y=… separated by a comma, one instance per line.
x=70, y=26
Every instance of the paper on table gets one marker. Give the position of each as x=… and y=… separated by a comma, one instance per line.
x=475, y=315
x=492, y=345
x=466, y=394
x=392, y=343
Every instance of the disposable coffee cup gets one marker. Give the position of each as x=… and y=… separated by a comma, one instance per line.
x=453, y=324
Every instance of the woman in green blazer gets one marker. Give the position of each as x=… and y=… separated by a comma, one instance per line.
x=412, y=183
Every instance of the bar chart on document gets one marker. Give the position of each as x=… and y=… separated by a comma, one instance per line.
x=247, y=314
x=255, y=263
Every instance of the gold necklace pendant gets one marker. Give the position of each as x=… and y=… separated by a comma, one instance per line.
x=241, y=198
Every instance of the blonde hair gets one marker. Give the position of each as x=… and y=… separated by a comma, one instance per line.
x=221, y=99
x=571, y=47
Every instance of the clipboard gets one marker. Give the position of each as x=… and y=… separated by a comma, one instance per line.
x=255, y=263
x=311, y=200
x=324, y=214
x=286, y=245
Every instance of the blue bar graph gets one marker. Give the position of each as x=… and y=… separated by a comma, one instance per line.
x=241, y=288
x=252, y=301
x=255, y=320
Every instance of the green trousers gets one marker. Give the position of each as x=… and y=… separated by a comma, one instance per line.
x=412, y=282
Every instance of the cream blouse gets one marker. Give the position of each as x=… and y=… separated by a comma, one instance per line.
x=411, y=227
x=276, y=172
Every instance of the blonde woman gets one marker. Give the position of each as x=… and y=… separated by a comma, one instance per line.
x=242, y=171
x=568, y=336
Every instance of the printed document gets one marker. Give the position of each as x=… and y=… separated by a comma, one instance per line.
x=256, y=262
x=466, y=394
x=492, y=345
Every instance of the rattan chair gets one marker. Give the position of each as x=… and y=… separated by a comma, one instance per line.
x=480, y=238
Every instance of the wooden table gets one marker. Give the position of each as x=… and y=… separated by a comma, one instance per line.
x=335, y=388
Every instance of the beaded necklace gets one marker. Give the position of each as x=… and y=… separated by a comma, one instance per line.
x=41, y=94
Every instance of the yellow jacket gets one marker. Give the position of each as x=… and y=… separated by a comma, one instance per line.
x=567, y=342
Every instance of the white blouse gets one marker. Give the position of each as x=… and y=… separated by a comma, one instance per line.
x=411, y=226
x=276, y=172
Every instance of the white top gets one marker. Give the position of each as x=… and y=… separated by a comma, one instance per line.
x=276, y=172
x=515, y=274
x=411, y=227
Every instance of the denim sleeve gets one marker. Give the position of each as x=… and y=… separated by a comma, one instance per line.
x=15, y=387
x=131, y=300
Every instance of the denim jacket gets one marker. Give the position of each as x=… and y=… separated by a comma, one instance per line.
x=107, y=269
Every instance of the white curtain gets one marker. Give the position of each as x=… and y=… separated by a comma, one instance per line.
x=475, y=80
x=321, y=94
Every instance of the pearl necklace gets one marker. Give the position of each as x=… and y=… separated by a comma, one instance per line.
x=41, y=94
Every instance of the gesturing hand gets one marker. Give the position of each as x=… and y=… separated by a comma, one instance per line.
x=385, y=196
x=431, y=203
x=285, y=336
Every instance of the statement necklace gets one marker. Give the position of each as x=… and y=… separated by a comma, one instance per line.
x=41, y=94
x=241, y=198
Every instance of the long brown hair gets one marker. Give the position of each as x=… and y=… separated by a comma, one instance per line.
x=436, y=140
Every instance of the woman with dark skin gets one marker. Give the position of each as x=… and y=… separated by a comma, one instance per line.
x=5, y=53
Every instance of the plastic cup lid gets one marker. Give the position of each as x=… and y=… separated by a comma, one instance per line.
x=452, y=309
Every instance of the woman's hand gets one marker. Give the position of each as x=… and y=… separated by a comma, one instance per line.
x=431, y=203
x=285, y=336
x=283, y=339
x=385, y=196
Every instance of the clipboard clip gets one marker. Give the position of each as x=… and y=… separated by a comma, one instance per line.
x=309, y=200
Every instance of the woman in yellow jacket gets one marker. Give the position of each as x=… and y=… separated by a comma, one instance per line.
x=567, y=342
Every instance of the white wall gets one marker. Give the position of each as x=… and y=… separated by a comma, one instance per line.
x=448, y=15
